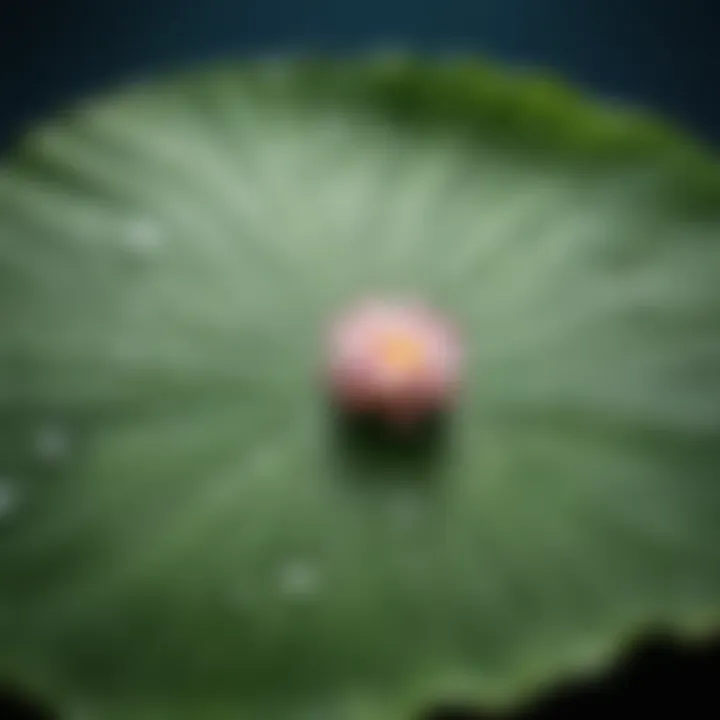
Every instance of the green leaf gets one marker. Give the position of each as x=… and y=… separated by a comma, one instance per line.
x=182, y=535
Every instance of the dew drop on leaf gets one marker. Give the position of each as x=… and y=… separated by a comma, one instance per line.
x=299, y=578
x=144, y=235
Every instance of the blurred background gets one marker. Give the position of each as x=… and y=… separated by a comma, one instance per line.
x=663, y=55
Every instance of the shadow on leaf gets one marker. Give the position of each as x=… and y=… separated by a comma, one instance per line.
x=372, y=448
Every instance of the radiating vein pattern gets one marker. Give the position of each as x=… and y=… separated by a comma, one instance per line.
x=176, y=517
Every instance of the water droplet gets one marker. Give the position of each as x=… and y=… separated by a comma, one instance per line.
x=52, y=443
x=144, y=235
x=299, y=578
x=8, y=497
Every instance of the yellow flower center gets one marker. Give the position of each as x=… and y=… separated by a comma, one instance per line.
x=400, y=352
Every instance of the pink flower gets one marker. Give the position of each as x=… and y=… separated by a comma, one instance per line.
x=398, y=358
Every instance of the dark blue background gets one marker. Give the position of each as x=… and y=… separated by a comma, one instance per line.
x=663, y=54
